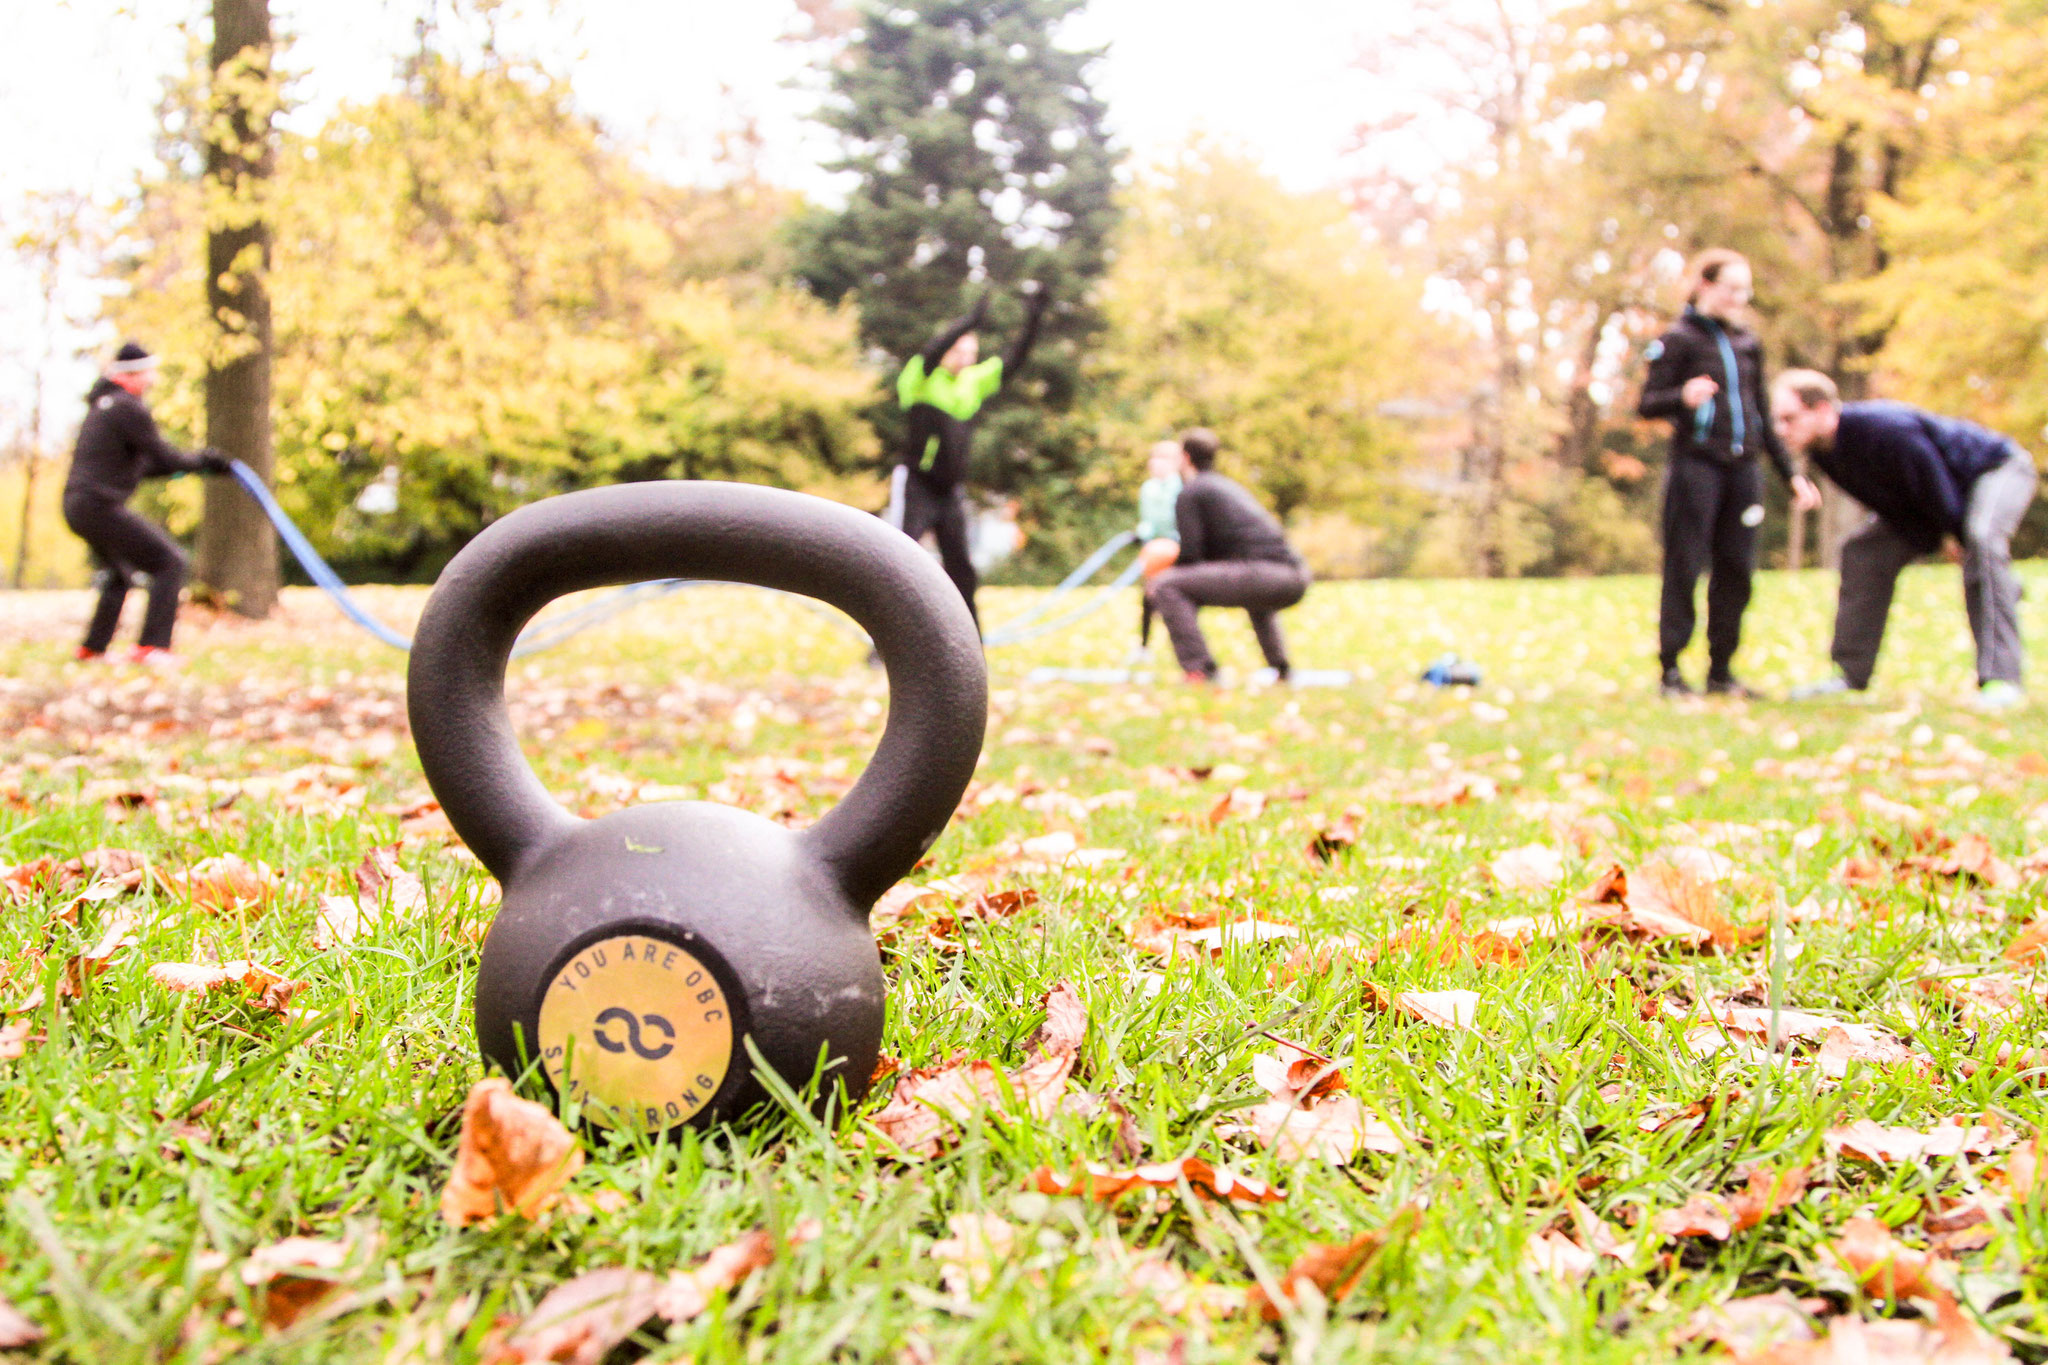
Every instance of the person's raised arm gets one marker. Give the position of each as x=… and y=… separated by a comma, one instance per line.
x=1036, y=297
x=942, y=341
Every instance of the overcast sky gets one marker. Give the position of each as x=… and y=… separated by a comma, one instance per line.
x=76, y=111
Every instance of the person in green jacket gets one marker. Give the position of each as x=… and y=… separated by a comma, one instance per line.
x=943, y=388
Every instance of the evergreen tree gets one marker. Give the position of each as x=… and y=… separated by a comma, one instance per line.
x=982, y=160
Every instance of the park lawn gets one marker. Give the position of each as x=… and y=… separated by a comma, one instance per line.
x=1557, y=1153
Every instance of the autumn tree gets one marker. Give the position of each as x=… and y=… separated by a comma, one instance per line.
x=980, y=158
x=1776, y=129
x=1268, y=316
x=478, y=302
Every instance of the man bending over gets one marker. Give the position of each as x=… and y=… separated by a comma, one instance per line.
x=1232, y=554
x=1924, y=478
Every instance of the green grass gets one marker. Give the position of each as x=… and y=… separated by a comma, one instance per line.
x=119, y=1223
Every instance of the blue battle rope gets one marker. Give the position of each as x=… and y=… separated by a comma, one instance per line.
x=556, y=629
x=544, y=634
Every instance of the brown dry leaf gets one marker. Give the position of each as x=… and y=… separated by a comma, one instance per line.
x=1101, y=1183
x=1886, y=1267
x=1533, y=867
x=968, y=1259
x=1951, y=1137
x=1990, y=998
x=1747, y=1325
x=296, y=1274
x=120, y=932
x=14, y=1038
x=1295, y=1073
x=689, y=1292
x=1332, y=1269
x=929, y=1103
x=227, y=884
x=1969, y=856
x=1440, y=1009
x=1951, y=1339
x=1695, y=1113
x=1456, y=789
x=1332, y=1129
x=2031, y=943
x=1172, y=936
x=17, y=1333
x=1338, y=836
x=2023, y=1170
x=1663, y=901
x=1764, y=1193
x=273, y=991
x=1239, y=803
x=512, y=1154
x=1554, y=1254
x=581, y=1321
x=1873, y=1047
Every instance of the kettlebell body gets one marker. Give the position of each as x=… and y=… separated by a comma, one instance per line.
x=646, y=959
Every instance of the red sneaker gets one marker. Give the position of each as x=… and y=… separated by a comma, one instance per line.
x=151, y=656
x=87, y=655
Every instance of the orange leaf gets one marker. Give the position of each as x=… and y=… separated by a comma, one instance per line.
x=513, y=1154
x=1886, y=1267
x=1101, y=1183
x=1333, y=1269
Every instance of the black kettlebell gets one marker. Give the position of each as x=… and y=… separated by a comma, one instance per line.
x=637, y=955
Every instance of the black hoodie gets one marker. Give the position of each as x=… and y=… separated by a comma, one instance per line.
x=1694, y=346
x=119, y=446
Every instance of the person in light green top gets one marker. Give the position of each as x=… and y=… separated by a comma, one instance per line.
x=942, y=389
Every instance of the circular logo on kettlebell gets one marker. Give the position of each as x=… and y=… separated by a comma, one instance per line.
x=638, y=1029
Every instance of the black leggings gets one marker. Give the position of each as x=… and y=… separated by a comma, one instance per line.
x=942, y=511
x=126, y=544
x=1709, y=527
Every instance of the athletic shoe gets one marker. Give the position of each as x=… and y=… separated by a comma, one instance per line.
x=2000, y=695
x=1675, y=685
x=85, y=655
x=1198, y=679
x=1826, y=687
x=1728, y=685
x=150, y=656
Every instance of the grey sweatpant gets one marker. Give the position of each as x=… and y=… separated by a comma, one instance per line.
x=1873, y=557
x=1262, y=587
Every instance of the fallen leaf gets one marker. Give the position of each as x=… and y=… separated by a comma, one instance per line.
x=688, y=1293
x=1533, y=867
x=512, y=1154
x=273, y=991
x=1873, y=1047
x=1239, y=803
x=1332, y=1269
x=1886, y=1267
x=1663, y=901
x=1951, y=1339
x=1764, y=1193
x=16, y=1331
x=1951, y=1137
x=227, y=884
x=1747, y=1325
x=1441, y=1009
x=1556, y=1255
x=2031, y=943
x=582, y=1320
x=1101, y=1183
x=968, y=1259
x=14, y=1038
x=296, y=1274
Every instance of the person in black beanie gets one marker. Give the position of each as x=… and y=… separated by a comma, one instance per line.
x=118, y=447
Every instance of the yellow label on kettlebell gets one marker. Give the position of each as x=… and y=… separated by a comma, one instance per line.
x=638, y=1029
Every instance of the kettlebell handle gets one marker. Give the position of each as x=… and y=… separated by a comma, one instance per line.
x=740, y=533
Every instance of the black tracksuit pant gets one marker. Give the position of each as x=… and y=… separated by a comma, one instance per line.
x=126, y=543
x=943, y=512
x=1708, y=528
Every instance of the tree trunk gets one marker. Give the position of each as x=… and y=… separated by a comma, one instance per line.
x=237, y=548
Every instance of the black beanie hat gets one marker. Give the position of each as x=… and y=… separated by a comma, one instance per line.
x=130, y=358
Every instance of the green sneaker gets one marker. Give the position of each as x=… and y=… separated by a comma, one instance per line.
x=2000, y=695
